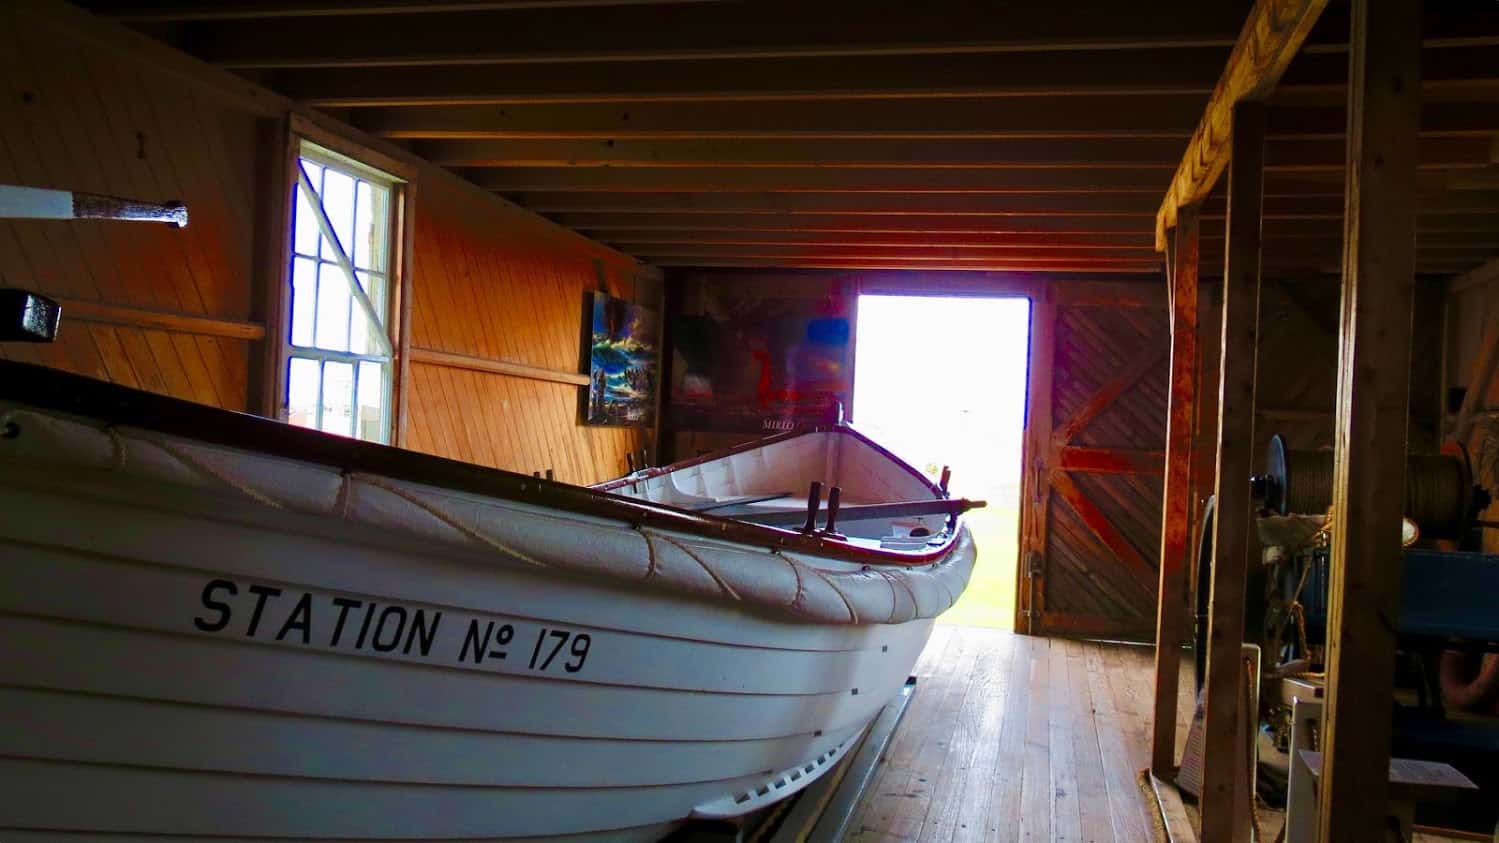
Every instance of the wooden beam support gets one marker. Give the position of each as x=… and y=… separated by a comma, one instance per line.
x=1373, y=405
x=1095, y=153
x=173, y=12
x=1170, y=73
x=1163, y=117
x=1030, y=205
x=1144, y=180
x=82, y=310
x=433, y=357
x=1138, y=243
x=1177, y=505
x=1323, y=202
x=1269, y=40
x=998, y=265
x=1167, y=117
x=914, y=254
x=1225, y=781
x=598, y=222
x=724, y=32
x=1317, y=80
x=1056, y=180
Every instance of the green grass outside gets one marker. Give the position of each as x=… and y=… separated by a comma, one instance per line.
x=990, y=598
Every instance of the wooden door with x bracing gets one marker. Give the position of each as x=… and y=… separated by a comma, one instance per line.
x=1091, y=492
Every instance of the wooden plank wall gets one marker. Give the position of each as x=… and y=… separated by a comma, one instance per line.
x=489, y=280
x=494, y=282
x=79, y=118
x=1298, y=361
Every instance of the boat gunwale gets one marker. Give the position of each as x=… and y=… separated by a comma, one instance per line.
x=121, y=406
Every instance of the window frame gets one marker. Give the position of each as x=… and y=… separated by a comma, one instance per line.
x=360, y=160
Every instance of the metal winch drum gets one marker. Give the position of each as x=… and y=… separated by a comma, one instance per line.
x=1439, y=493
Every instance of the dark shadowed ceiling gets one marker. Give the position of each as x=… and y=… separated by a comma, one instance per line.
x=859, y=133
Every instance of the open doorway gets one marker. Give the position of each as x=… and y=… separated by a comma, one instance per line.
x=942, y=381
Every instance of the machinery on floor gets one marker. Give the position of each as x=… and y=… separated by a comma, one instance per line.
x=1447, y=694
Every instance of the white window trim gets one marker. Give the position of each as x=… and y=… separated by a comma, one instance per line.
x=344, y=154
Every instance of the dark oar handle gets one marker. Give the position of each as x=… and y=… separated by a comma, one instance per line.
x=897, y=509
x=814, y=501
x=830, y=529
x=97, y=206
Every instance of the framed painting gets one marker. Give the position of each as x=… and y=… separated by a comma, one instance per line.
x=624, y=357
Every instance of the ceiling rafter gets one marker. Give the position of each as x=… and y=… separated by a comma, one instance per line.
x=872, y=133
x=171, y=11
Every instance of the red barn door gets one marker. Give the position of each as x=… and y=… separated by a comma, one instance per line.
x=1096, y=426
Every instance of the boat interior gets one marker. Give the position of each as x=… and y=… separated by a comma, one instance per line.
x=873, y=498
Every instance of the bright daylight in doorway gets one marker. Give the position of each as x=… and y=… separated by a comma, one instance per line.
x=942, y=381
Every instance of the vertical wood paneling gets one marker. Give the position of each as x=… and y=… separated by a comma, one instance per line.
x=492, y=282
x=74, y=117
x=489, y=280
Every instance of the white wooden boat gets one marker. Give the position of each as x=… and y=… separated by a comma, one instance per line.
x=217, y=625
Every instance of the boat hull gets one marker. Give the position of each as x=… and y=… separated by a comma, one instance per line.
x=182, y=664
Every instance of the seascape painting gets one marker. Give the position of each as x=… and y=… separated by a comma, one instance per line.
x=623, y=363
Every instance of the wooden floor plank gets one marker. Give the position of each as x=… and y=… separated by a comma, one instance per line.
x=1036, y=791
x=1005, y=795
x=1013, y=738
x=1066, y=813
x=976, y=809
x=1096, y=824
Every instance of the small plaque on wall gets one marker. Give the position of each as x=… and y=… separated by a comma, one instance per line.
x=624, y=357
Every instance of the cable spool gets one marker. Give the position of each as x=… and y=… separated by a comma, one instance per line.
x=1438, y=487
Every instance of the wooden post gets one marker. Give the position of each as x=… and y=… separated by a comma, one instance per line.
x=1224, y=772
x=1384, y=69
x=1176, y=508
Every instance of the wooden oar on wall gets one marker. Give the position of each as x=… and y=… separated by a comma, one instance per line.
x=37, y=203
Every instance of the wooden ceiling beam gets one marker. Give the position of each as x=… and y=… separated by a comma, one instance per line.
x=598, y=224
x=1453, y=72
x=1324, y=242
x=1061, y=180
x=1010, y=205
x=550, y=33
x=887, y=120
x=1150, y=117
x=174, y=11
x=1281, y=252
x=1093, y=153
x=634, y=33
x=1325, y=203
x=1270, y=38
x=953, y=254
x=1097, y=152
x=855, y=263
x=1057, y=241
x=1272, y=269
x=816, y=180
x=1177, y=72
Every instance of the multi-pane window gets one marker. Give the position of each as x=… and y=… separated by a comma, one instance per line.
x=339, y=348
